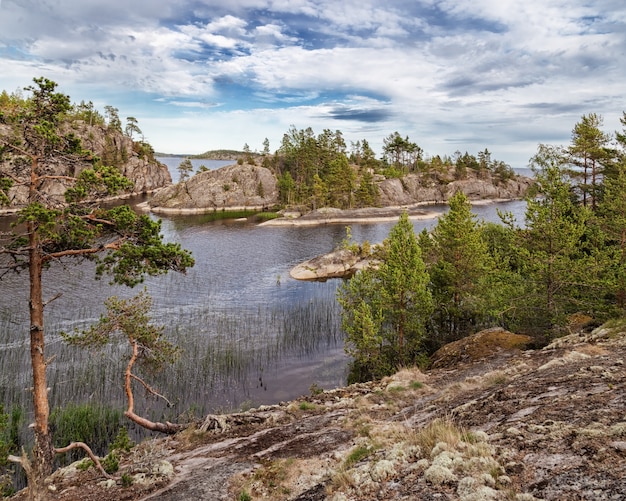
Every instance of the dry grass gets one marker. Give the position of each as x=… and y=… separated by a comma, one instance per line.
x=439, y=430
x=593, y=350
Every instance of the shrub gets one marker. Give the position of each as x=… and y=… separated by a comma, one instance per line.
x=96, y=425
x=111, y=463
x=122, y=441
x=127, y=480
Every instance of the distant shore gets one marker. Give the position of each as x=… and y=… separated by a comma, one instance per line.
x=366, y=215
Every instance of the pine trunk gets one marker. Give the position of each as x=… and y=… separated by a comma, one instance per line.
x=43, y=452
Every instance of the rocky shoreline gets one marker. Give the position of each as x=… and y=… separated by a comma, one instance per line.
x=490, y=422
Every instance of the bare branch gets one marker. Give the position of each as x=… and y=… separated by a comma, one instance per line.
x=19, y=150
x=54, y=298
x=87, y=449
x=150, y=389
x=82, y=252
x=64, y=178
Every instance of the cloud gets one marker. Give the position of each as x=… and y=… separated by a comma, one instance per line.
x=508, y=71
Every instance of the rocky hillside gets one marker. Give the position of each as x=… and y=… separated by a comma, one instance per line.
x=232, y=187
x=415, y=188
x=490, y=422
x=238, y=186
x=134, y=159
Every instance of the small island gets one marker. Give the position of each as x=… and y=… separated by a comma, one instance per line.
x=316, y=181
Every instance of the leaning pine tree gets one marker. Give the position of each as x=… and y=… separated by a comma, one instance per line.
x=51, y=228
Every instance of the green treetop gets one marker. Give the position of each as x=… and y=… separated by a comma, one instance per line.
x=385, y=309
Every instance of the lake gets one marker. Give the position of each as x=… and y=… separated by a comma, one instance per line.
x=250, y=334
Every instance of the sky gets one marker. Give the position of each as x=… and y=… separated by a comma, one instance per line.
x=451, y=75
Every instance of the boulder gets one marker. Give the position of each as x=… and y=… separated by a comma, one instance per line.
x=342, y=263
x=478, y=346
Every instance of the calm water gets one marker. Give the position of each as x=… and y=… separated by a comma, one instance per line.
x=250, y=334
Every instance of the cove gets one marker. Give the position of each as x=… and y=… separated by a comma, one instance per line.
x=250, y=334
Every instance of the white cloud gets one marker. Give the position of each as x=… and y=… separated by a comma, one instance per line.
x=449, y=72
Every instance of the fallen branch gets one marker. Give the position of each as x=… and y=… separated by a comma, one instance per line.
x=87, y=449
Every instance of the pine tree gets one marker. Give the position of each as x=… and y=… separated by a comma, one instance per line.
x=185, y=168
x=53, y=228
x=385, y=310
x=461, y=265
x=611, y=218
x=588, y=151
x=555, y=225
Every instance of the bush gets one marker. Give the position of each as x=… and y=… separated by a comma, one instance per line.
x=111, y=463
x=96, y=425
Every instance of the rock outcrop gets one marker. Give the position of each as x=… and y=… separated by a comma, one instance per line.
x=234, y=187
x=503, y=424
x=135, y=160
x=342, y=263
x=418, y=188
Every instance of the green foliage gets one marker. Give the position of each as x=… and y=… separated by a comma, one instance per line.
x=144, y=150
x=588, y=153
x=128, y=320
x=50, y=228
x=111, y=463
x=85, y=464
x=357, y=454
x=122, y=441
x=315, y=389
x=367, y=192
x=611, y=220
x=385, y=310
x=184, y=170
x=86, y=113
x=6, y=184
x=96, y=183
x=401, y=154
x=93, y=424
x=314, y=171
x=460, y=265
x=132, y=127
x=244, y=496
x=127, y=480
x=286, y=188
x=555, y=226
x=142, y=250
x=113, y=118
x=9, y=433
x=349, y=244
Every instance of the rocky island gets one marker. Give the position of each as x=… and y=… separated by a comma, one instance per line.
x=134, y=159
x=256, y=188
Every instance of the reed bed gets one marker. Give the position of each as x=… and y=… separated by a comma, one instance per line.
x=224, y=351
